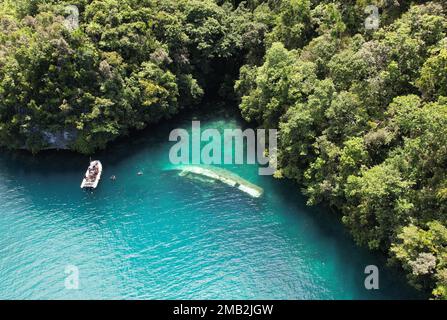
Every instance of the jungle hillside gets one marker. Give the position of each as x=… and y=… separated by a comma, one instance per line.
x=359, y=96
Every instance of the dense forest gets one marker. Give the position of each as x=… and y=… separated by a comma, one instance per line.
x=359, y=97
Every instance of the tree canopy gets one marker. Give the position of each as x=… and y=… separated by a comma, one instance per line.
x=361, y=111
x=362, y=117
x=126, y=65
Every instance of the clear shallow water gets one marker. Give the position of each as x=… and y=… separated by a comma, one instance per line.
x=162, y=236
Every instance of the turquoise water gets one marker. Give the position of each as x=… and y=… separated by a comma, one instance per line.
x=163, y=236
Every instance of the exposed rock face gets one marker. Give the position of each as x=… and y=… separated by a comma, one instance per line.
x=59, y=140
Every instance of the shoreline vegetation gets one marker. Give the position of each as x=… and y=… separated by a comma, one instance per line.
x=362, y=114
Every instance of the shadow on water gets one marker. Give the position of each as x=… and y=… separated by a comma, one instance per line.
x=326, y=226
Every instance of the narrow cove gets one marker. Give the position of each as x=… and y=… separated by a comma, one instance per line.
x=165, y=236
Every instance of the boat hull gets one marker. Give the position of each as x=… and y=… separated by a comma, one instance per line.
x=92, y=184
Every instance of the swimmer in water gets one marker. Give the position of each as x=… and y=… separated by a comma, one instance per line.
x=140, y=173
x=113, y=178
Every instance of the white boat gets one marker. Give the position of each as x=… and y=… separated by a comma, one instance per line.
x=92, y=176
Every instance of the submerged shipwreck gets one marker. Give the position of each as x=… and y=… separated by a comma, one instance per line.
x=224, y=176
x=92, y=176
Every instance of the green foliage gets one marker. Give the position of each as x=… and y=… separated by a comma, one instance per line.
x=362, y=113
x=280, y=84
x=292, y=25
x=433, y=79
x=329, y=19
x=423, y=253
x=130, y=63
x=377, y=201
x=362, y=118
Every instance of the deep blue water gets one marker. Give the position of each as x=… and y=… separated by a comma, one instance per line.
x=162, y=236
